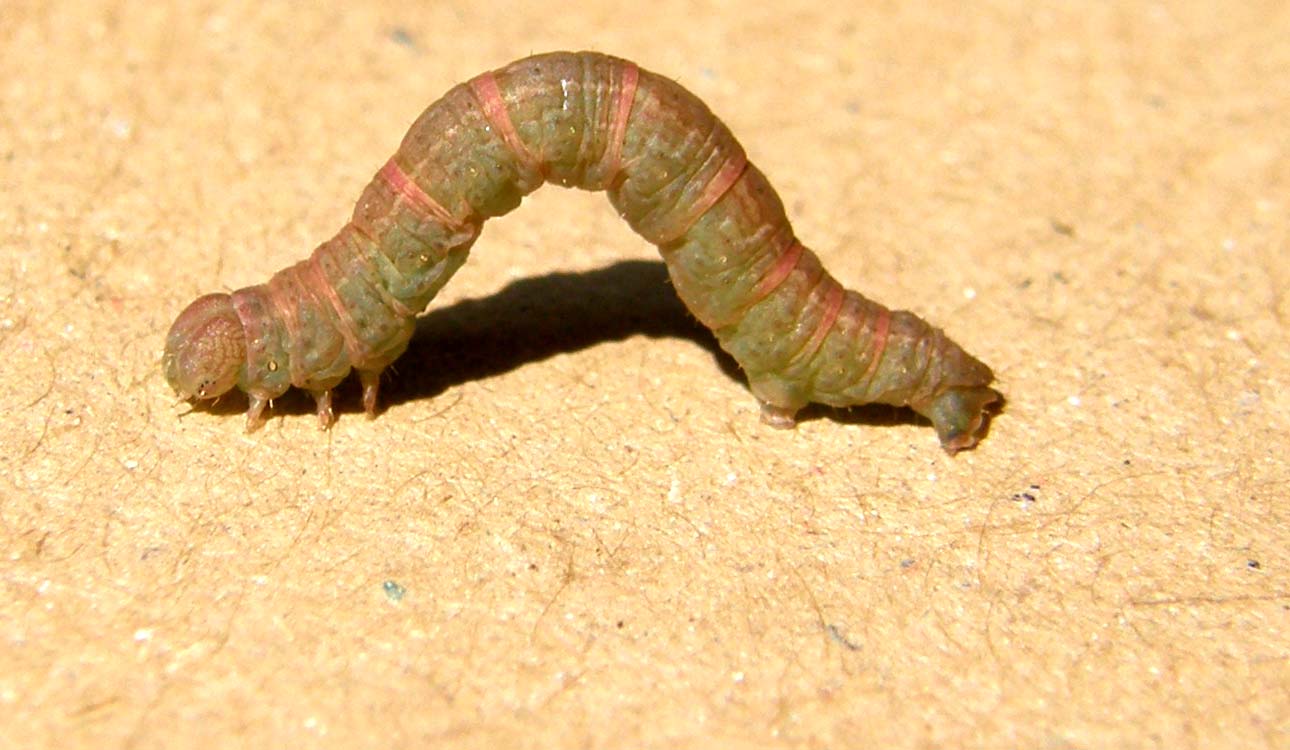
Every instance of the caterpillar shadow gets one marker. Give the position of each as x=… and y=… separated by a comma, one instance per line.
x=536, y=318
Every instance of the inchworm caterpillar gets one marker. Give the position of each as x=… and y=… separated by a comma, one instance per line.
x=672, y=170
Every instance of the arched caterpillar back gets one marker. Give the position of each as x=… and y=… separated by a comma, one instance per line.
x=672, y=170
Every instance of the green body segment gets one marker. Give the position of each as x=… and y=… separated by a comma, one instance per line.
x=316, y=354
x=563, y=107
x=268, y=341
x=675, y=174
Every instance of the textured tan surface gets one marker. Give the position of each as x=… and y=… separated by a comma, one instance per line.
x=600, y=545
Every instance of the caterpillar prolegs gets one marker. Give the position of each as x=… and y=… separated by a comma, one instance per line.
x=672, y=170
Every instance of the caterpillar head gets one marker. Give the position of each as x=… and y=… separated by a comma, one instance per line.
x=205, y=349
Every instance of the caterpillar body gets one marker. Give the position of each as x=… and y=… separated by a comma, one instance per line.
x=672, y=170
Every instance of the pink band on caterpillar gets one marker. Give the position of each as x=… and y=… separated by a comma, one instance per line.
x=357, y=351
x=489, y=96
x=725, y=179
x=410, y=191
x=832, y=306
x=784, y=265
x=618, y=125
x=879, y=341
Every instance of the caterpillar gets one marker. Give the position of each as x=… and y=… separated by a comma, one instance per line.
x=672, y=170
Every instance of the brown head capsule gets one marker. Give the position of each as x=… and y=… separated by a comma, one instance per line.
x=205, y=349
